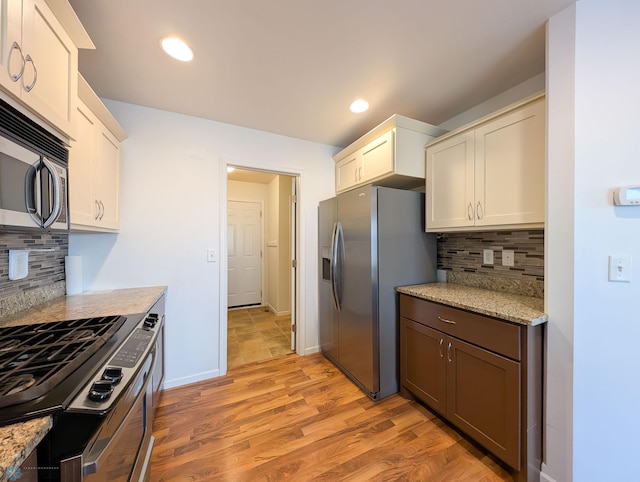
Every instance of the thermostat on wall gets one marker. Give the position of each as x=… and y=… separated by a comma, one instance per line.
x=627, y=196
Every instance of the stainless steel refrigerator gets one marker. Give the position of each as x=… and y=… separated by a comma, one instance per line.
x=371, y=239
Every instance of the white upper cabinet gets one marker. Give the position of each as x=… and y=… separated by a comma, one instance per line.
x=94, y=166
x=389, y=155
x=39, y=59
x=490, y=174
x=11, y=56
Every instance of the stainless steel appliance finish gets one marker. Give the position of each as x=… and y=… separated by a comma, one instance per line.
x=94, y=377
x=33, y=175
x=371, y=239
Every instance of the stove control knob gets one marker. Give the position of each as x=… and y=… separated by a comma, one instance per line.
x=150, y=322
x=100, y=390
x=112, y=375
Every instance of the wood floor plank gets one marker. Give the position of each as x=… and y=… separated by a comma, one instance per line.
x=299, y=418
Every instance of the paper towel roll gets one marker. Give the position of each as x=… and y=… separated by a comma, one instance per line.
x=73, y=274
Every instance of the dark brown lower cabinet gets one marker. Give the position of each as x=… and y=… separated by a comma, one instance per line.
x=481, y=374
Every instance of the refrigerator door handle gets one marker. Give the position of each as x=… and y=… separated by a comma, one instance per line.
x=335, y=241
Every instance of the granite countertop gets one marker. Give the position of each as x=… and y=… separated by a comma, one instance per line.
x=86, y=305
x=525, y=310
x=18, y=440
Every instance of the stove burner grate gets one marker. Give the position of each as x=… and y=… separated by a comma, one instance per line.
x=35, y=358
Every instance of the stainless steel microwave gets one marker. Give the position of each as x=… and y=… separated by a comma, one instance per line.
x=33, y=177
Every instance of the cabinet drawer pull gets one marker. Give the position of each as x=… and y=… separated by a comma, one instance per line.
x=441, y=346
x=16, y=77
x=479, y=210
x=447, y=321
x=470, y=212
x=449, y=352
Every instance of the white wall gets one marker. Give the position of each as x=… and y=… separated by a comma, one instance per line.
x=516, y=93
x=606, y=387
x=599, y=319
x=273, y=254
x=173, y=199
x=559, y=246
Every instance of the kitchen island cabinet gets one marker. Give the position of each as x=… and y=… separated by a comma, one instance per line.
x=483, y=375
x=489, y=174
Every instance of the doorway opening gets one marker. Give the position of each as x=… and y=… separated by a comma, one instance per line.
x=261, y=253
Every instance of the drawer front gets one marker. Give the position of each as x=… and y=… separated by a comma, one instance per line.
x=494, y=335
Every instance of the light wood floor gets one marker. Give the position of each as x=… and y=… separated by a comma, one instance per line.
x=299, y=418
x=255, y=334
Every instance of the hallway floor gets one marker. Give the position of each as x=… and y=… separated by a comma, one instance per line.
x=255, y=334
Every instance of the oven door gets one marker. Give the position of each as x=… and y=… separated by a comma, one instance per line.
x=120, y=450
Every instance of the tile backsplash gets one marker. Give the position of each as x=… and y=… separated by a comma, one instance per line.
x=45, y=267
x=461, y=256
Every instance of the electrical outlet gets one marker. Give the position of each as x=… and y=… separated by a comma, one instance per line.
x=487, y=256
x=507, y=257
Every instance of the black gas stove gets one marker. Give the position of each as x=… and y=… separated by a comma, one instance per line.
x=43, y=366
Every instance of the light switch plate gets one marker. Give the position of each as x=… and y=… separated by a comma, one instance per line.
x=487, y=256
x=620, y=268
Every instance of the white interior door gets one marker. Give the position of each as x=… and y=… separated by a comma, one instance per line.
x=244, y=254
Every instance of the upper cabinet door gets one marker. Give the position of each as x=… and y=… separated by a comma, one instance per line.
x=11, y=57
x=377, y=157
x=509, y=168
x=348, y=172
x=106, y=178
x=83, y=206
x=450, y=183
x=50, y=80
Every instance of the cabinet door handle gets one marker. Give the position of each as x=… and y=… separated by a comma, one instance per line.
x=97, y=210
x=449, y=352
x=360, y=173
x=441, y=347
x=16, y=77
x=355, y=175
x=470, y=212
x=101, y=210
x=479, y=210
x=451, y=322
x=30, y=87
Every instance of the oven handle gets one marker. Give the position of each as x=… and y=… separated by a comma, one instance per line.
x=91, y=463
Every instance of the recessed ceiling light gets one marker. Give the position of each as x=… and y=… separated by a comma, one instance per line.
x=231, y=169
x=177, y=49
x=359, y=106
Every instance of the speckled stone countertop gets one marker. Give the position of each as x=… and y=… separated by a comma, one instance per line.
x=525, y=310
x=18, y=440
x=93, y=303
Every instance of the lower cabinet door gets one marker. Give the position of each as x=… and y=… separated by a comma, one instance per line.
x=423, y=364
x=483, y=398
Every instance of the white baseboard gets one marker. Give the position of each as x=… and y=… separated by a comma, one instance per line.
x=311, y=351
x=198, y=377
x=276, y=312
x=546, y=478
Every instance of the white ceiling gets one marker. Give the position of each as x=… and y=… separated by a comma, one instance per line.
x=292, y=67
